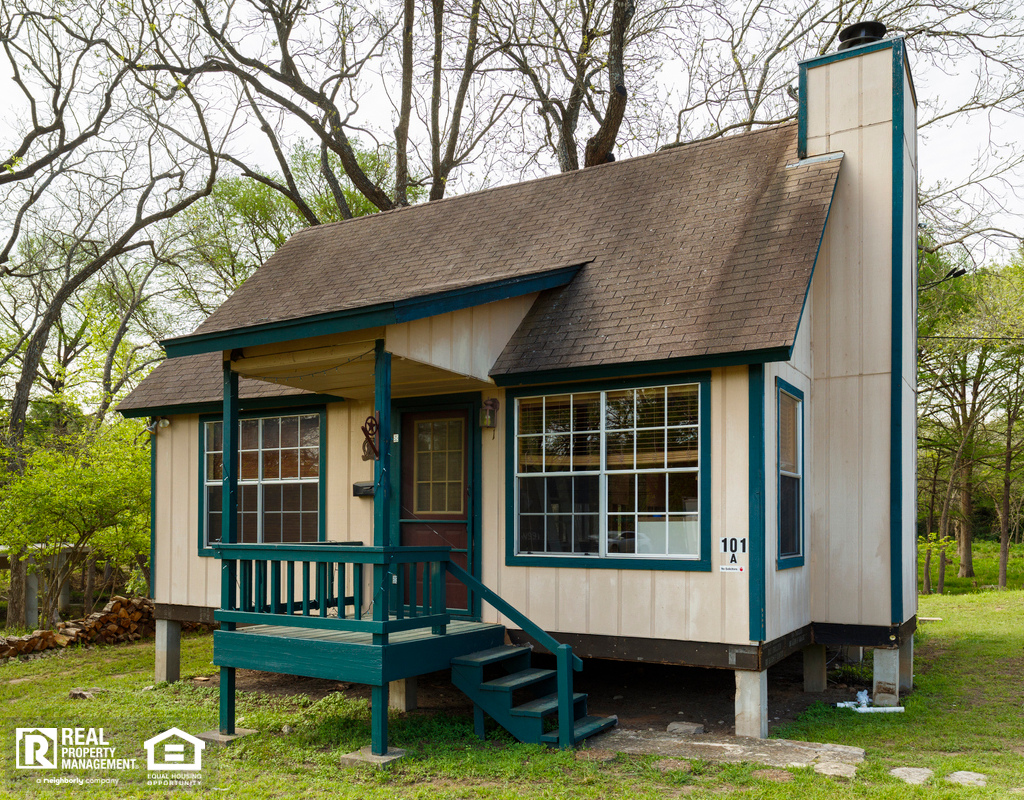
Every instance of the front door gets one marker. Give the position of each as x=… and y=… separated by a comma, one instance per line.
x=435, y=501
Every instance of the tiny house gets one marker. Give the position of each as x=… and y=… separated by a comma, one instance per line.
x=662, y=409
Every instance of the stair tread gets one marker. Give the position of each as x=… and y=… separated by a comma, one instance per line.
x=517, y=680
x=492, y=655
x=582, y=728
x=543, y=706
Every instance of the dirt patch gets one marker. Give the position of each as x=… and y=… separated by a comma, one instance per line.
x=643, y=696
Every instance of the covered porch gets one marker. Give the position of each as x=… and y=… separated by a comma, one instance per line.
x=377, y=612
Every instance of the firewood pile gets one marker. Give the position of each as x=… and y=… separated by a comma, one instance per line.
x=121, y=620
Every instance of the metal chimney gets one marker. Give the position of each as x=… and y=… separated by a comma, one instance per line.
x=861, y=33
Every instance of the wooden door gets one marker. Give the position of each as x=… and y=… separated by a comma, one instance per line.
x=435, y=505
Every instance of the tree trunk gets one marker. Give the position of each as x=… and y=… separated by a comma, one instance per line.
x=926, y=587
x=964, y=541
x=16, y=595
x=942, y=570
x=142, y=560
x=1004, y=516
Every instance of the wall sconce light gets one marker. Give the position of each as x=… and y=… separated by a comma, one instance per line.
x=164, y=422
x=489, y=413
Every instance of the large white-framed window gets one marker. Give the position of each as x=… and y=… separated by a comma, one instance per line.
x=280, y=491
x=790, y=463
x=612, y=475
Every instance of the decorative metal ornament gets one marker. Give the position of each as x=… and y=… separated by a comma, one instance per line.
x=371, y=444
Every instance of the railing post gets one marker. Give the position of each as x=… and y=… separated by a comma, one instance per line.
x=566, y=723
x=439, y=600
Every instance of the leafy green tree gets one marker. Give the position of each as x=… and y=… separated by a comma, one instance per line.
x=89, y=495
x=221, y=240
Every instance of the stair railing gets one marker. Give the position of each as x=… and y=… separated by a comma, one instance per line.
x=565, y=662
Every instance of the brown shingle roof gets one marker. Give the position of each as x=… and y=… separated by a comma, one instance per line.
x=699, y=250
x=702, y=250
x=195, y=379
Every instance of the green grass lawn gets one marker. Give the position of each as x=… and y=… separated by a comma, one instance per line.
x=986, y=569
x=967, y=713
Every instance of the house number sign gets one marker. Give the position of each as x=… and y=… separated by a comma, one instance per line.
x=735, y=550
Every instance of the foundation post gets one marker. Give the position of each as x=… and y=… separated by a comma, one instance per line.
x=402, y=694
x=815, y=668
x=752, y=704
x=168, y=651
x=885, y=685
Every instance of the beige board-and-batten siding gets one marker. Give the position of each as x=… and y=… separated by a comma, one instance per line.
x=661, y=604
x=183, y=577
x=787, y=591
x=850, y=109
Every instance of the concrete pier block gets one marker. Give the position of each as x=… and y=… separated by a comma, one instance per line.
x=752, y=703
x=168, y=651
x=885, y=685
x=815, y=668
x=402, y=694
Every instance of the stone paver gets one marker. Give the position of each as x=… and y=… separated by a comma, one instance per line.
x=835, y=769
x=965, y=778
x=912, y=775
x=685, y=728
x=732, y=749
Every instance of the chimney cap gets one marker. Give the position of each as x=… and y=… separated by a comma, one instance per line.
x=861, y=33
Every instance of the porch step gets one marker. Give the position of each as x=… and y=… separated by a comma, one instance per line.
x=582, y=728
x=518, y=680
x=544, y=706
x=494, y=655
x=478, y=676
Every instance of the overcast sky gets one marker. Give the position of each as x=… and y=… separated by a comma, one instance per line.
x=946, y=153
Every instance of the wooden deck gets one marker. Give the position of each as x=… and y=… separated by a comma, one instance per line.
x=349, y=655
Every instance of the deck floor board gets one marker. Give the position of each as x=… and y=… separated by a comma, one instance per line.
x=454, y=627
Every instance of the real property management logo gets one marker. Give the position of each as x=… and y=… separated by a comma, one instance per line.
x=67, y=748
x=89, y=748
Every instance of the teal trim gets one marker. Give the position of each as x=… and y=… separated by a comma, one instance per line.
x=152, y=514
x=214, y=407
x=371, y=316
x=210, y=552
x=382, y=466
x=756, y=511
x=229, y=501
x=896, y=376
x=820, y=61
x=789, y=562
x=471, y=403
x=642, y=369
x=581, y=561
x=801, y=114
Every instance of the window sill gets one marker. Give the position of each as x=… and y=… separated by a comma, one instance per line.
x=596, y=562
x=789, y=562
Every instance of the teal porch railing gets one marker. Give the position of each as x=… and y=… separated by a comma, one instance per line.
x=300, y=585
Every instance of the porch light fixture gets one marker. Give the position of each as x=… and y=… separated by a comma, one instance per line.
x=489, y=413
